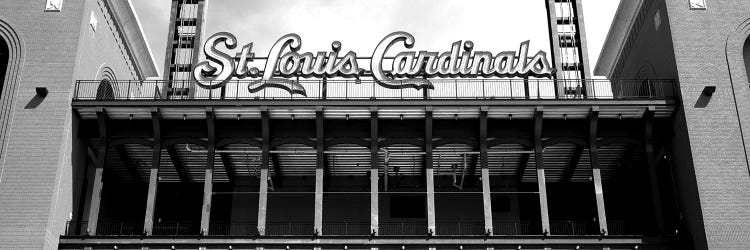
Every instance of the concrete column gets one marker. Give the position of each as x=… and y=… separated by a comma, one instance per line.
x=207, y=195
x=318, y=224
x=601, y=213
x=541, y=179
x=374, y=192
x=429, y=172
x=96, y=198
x=96, y=192
x=542, y=182
x=487, y=200
x=652, y=162
x=153, y=176
x=262, y=201
x=264, y=158
x=430, y=200
x=208, y=180
x=153, y=183
x=319, y=169
x=374, y=219
x=483, y=162
x=596, y=171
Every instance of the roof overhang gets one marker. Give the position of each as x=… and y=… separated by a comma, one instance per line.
x=135, y=40
x=622, y=24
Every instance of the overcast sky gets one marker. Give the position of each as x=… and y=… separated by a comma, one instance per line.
x=493, y=25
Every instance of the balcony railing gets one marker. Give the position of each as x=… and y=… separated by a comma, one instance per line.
x=444, y=89
x=402, y=228
x=289, y=228
x=233, y=228
x=176, y=228
x=574, y=228
x=460, y=228
x=123, y=228
x=105, y=228
x=346, y=228
x=516, y=228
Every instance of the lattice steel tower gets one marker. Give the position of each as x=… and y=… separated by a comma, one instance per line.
x=568, y=44
x=186, y=27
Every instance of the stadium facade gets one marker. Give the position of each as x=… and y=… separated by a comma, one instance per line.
x=404, y=149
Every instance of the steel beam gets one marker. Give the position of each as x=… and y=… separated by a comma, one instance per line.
x=277, y=174
x=539, y=160
x=573, y=164
x=175, y=158
x=583, y=52
x=554, y=41
x=208, y=183
x=652, y=162
x=596, y=170
x=483, y=159
x=228, y=168
x=263, y=192
x=96, y=192
x=319, y=167
x=131, y=166
x=153, y=176
x=374, y=195
x=429, y=173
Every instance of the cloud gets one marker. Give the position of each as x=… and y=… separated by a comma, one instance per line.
x=493, y=25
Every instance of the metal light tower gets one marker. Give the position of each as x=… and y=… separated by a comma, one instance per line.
x=186, y=27
x=568, y=44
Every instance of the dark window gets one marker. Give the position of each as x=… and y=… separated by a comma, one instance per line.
x=4, y=57
x=105, y=91
x=746, y=55
x=408, y=206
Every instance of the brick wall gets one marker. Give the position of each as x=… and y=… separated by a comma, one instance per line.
x=36, y=184
x=719, y=154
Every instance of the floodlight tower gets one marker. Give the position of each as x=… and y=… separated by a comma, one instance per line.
x=568, y=45
x=186, y=26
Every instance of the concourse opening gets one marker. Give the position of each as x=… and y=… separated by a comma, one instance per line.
x=402, y=201
x=346, y=190
x=236, y=184
x=514, y=191
x=570, y=190
x=291, y=191
x=124, y=191
x=180, y=191
x=458, y=191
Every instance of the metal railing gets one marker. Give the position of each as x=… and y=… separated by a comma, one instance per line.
x=127, y=228
x=460, y=228
x=346, y=228
x=574, y=228
x=105, y=228
x=516, y=228
x=623, y=228
x=402, y=228
x=289, y=228
x=233, y=228
x=176, y=228
x=444, y=89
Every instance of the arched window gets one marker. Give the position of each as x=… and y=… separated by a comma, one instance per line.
x=105, y=91
x=4, y=56
x=107, y=85
x=746, y=55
